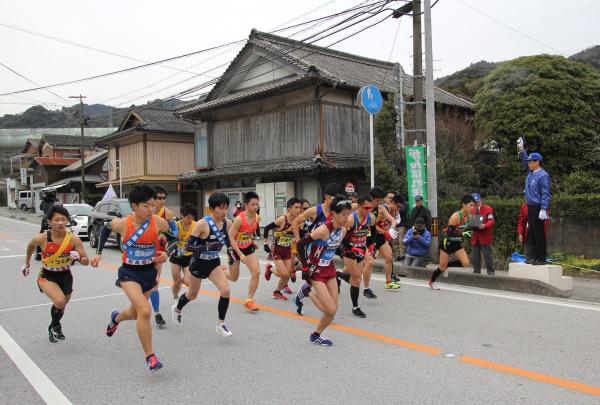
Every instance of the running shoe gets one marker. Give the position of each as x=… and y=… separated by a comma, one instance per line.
x=431, y=285
x=318, y=340
x=153, y=363
x=299, y=305
x=251, y=306
x=357, y=312
x=445, y=274
x=287, y=290
x=112, y=325
x=369, y=294
x=175, y=314
x=52, y=334
x=58, y=331
x=160, y=321
x=279, y=296
x=268, y=271
x=395, y=278
x=223, y=330
x=293, y=276
x=392, y=285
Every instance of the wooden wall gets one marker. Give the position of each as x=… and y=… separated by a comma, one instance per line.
x=346, y=130
x=132, y=158
x=291, y=132
x=169, y=158
x=113, y=173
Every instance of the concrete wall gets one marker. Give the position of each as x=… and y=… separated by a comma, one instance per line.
x=580, y=236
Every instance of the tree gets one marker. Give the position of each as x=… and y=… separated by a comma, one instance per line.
x=552, y=101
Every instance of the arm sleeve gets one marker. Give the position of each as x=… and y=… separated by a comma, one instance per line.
x=268, y=228
x=425, y=239
x=301, y=246
x=104, y=234
x=173, y=227
x=523, y=156
x=545, y=191
x=171, y=242
x=195, y=245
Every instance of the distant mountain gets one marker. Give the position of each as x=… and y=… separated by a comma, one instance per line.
x=591, y=56
x=100, y=116
x=468, y=81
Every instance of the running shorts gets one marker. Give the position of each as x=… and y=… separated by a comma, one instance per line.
x=282, y=253
x=64, y=280
x=182, y=261
x=247, y=251
x=144, y=275
x=201, y=268
x=450, y=246
x=324, y=273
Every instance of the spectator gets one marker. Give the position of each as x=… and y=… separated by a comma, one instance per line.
x=523, y=229
x=238, y=209
x=420, y=211
x=537, y=192
x=397, y=209
x=481, y=241
x=417, y=241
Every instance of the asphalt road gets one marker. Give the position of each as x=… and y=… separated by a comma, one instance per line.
x=455, y=346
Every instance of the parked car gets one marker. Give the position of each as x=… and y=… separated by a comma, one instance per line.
x=79, y=213
x=103, y=212
x=24, y=200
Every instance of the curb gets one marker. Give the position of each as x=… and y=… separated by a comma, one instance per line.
x=498, y=282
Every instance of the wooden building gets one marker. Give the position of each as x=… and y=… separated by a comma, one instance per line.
x=151, y=146
x=283, y=120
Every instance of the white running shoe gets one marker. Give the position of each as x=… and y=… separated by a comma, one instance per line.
x=175, y=314
x=223, y=330
x=445, y=274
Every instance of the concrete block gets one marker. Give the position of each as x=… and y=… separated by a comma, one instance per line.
x=550, y=274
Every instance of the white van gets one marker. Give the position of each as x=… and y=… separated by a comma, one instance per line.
x=24, y=200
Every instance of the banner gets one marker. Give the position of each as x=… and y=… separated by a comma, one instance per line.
x=416, y=173
x=110, y=193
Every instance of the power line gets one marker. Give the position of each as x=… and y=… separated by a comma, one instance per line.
x=511, y=28
x=30, y=81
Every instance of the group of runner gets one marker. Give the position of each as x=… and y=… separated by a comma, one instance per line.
x=305, y=239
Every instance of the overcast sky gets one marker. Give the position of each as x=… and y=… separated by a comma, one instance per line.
x=151, y=30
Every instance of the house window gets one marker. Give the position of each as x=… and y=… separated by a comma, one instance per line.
x=201, y=146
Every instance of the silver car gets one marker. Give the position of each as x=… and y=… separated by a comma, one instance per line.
x=79, y=213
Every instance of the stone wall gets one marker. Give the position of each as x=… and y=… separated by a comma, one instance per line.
x=579, y=236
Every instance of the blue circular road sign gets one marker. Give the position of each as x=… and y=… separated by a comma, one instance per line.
x=370, y=98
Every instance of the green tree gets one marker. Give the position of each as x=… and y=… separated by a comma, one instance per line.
x=552, y=101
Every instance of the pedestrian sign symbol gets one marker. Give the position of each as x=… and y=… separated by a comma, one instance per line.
x=370, y=99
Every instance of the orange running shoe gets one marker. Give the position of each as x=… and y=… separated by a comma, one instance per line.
x=250, y=305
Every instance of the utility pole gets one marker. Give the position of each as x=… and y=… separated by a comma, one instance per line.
x=418, y=73
x=430, y=119
x=81, y=123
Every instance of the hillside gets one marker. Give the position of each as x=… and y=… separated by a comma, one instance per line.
x=591, y=56
x=468, y=81
x=40, y=117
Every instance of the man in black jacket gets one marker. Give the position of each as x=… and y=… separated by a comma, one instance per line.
x=420, y=211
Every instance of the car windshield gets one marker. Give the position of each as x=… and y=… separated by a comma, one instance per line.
x=79, y=209
x=125, y=208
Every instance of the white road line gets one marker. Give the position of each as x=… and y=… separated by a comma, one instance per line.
x=22, y=222
x=11, y=256
x=36, y=377
x=556, y=302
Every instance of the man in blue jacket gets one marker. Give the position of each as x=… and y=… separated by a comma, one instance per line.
x=417, y=240
x=537, y=193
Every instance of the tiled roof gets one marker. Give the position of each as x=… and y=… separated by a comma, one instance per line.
x=52, y=161
x=283, y=166
x=339, y=68
x=153, y=120
x=88, y=160
x=71, y=141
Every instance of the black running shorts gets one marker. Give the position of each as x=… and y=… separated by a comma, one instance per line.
x=64, y=280
x=144, y=275
x=201, y=268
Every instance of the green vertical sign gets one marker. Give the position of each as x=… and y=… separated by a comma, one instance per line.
x=416, y=173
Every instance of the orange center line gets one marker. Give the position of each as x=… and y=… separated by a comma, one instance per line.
x=532, y=375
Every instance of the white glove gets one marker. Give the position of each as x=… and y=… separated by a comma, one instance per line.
x=25, y=270
x=393, y=234
x=520, y=144
x=74, y=255
x=543, y=215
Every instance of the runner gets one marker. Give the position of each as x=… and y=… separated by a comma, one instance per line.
x=313, y=218
x=316, y=251
x=180, y=260
x=354, y=249
x=137, y=275
x=242, y=231
x=282, y=247
x=60, y=250
x=207, y=238
x=166, y=214
x=451, y=242
x=381, y=232
x=303, y=231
